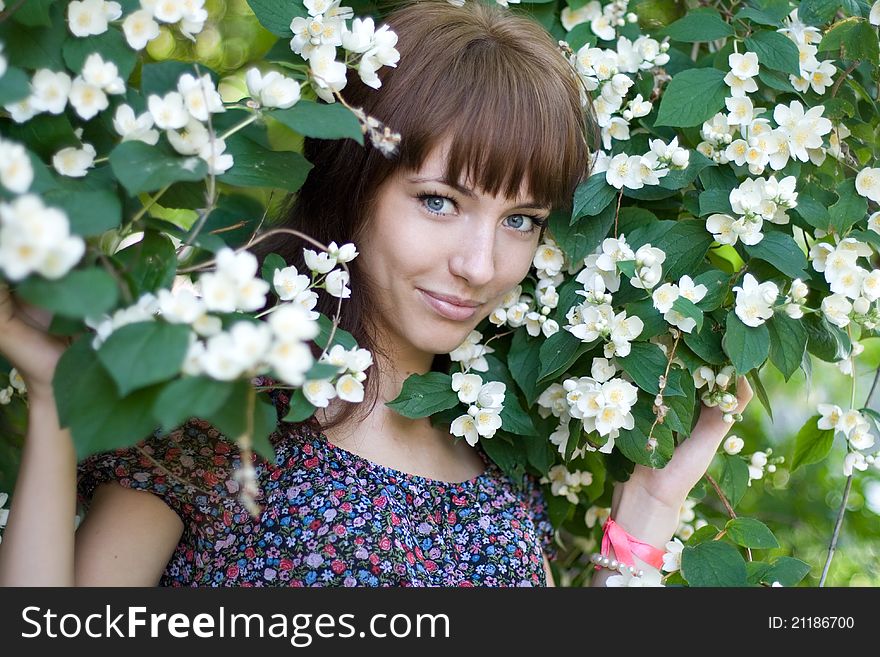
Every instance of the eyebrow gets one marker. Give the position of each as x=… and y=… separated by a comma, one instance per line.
x=530, y=204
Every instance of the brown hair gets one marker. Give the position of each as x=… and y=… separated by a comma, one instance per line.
x=493, y=81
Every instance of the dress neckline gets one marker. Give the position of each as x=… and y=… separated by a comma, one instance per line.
x=352, y=457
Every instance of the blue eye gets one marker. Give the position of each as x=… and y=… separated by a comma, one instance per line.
x=532, y=223
x=435, y=203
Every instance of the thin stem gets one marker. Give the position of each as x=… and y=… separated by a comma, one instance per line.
x=845, y=75
x=842, y=510
x=836, y=533
x=726, y=504
x=149, y=204
x=205, y=266
x=617, y=212
x=240, y=126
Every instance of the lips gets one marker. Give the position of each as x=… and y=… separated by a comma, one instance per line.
x=449, y=307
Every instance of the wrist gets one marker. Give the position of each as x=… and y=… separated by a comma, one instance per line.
x=644, y=517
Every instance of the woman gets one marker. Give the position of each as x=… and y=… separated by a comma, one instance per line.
x=494, y=136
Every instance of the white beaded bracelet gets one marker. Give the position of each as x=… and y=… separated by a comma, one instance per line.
x=613, y=564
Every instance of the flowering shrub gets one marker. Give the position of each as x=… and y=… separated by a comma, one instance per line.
x=730, y=223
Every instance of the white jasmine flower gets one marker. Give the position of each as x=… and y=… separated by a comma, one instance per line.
x=672, y=558
x=289, y=283
x=74, y=162
x=140, y=28
x=836, y=309
x=467, y=386
x=854, y=460
x=744, y=66
x=733, y=445
x=754, y=301
x=213, y=153
x=465, y=426
x=90, y=17
x=132, y=128
x=549, y=259
x=336, y=284
x=319, y=392
x=16, y=171
x=272, y=89
x=487, y=420
x=168, y=111
x=868, y=183
x=200, y=96
x=319, y=263
x=49, y=91
x=290, y=359
x=87, y=99
x=350, y=389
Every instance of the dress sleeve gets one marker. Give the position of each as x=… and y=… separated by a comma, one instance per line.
x=187, y=468
x=538, y=510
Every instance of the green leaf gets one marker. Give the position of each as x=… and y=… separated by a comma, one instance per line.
x=45, y=135
x=141, y=354
x=150, y=263
x=734, y=478
x=579, y=239
x=34, y=48
x=751, y=533
x=91, y=212
x=632, y=443
x=817, y=12
x=231, y=418
x=539, y=452
x=775, y=50
x=824, y=339
x=322, y=121
x=850, y=206
x=812, y=211
x=812, y=444
x=276, y=16
x=781, y=251
x=271, y=262
x=88, y=403
x=558, y=352
x=161, y=77
x=788, y=342
x=856, y=38
x=788, y=571
x=685, y=246
x=525, y=364
x=646, y=363
x=559, y=509
x=143, y=168
x=746, y=346
x=758, y=16
x=509, y=457
x=699, y=25
x=713, y=563
x=79, y=294
x=34, y=13
x=110, y=45
x=715, y=201
x=680, y=416
x=341, y=336
x=256, y=166
x=707, y=343
x=15, y=87
x=716, y=283
x=692, y=96
x=687, y=308
x=424, y=394
x=775, y=80
x=592, y=196
x=653, y=321
x=190, y=396
x=761, y=392
x=301, y=409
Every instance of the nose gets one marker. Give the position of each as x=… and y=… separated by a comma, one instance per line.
x=474, y=254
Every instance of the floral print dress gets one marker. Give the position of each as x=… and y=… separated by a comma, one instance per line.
x=330, y=517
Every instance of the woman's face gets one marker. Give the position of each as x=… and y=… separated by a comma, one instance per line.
x=443, y=254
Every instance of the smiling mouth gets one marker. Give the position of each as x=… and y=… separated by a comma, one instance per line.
x=447, y=309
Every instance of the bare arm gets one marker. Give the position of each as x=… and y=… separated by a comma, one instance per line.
x=126, y=539
x=548, y=572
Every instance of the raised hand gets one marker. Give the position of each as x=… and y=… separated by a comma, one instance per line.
x=26, y=343
x=671, y=484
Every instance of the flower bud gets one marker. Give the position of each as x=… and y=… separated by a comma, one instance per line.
x=861, y=306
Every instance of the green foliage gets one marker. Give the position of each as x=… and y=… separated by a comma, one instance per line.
x=424, y=394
